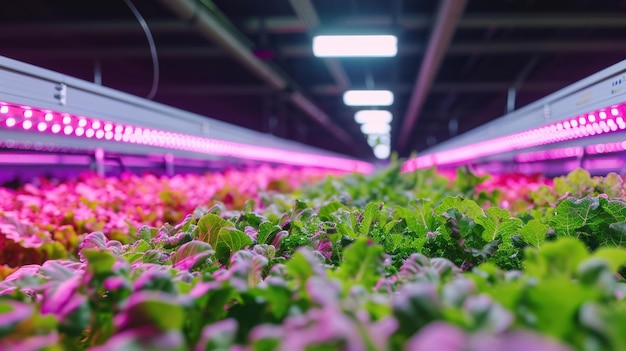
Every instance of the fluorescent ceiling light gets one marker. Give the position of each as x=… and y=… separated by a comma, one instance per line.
x=382, y=151
x=368, y=98
x=375, y=128
x=355, y=45
x=370, y=116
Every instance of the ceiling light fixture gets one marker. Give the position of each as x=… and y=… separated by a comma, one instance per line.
x=355, y=45
x=368, y=98
x=375, y=128
x=382, y=151
x=369, y=116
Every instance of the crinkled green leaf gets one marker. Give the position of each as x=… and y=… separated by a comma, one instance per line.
x=464, y=205
x=362, y=264
x=572, y=214
x=534, y=232
x=368, y=217
x=222, y=236
x=498, y=223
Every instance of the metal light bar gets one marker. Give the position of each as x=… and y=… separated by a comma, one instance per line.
x=552, y=154
x=355, y=45
x=602, y=121
x=368, y=98
x=34, y=121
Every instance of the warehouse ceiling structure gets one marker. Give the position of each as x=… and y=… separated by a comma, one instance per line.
x=460, y=63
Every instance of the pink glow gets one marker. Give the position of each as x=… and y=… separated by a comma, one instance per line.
x=568, y=129
x=77, y=126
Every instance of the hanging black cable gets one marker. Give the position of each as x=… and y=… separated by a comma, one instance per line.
x=153, y=51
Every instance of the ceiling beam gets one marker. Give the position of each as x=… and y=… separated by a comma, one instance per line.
x=50, y=29
x=332, y=90
x=308, y=16
x=448, y=16
x=461, y=87
x=292, y=24
x=302, y=51
x=217, y=30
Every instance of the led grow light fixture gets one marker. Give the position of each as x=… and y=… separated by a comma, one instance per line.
x=373, y=116
x=24, y=118
x=355, y=45
x=368, y=98
x=602, y=121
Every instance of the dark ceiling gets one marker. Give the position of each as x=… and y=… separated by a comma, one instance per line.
x=457, y=59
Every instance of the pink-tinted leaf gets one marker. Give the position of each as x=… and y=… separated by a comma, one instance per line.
x=11, y=313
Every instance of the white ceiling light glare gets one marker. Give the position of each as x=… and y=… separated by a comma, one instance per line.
x=355, y=45
x=368, y=98
x=375, y=139
x=375, y=128
x=372, y=116
x=382, y=151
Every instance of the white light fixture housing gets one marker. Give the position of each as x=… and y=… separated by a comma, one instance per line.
x=355, y=45
x=382, y=151
x=368, y=98
x=370, y=116
x=375, y=128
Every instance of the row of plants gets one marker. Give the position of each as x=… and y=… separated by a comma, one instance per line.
x=47, y=219
x=389, y=261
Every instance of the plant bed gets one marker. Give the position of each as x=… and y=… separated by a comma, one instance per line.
x=391, y=261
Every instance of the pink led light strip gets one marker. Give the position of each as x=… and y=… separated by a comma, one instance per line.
x=40, y=121
x=602, y=121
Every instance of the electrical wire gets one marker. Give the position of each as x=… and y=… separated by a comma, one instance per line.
x=153, y=52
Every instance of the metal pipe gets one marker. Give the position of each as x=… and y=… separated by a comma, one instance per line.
x=209, y=26
x=448, y=18
x=307, y=15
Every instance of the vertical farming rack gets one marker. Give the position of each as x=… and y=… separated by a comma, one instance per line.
x=53, y=120
x=581, y=125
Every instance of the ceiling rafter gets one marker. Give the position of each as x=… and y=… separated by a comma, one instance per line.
x=308, y=16
x=447, y=19
x=215, y=29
